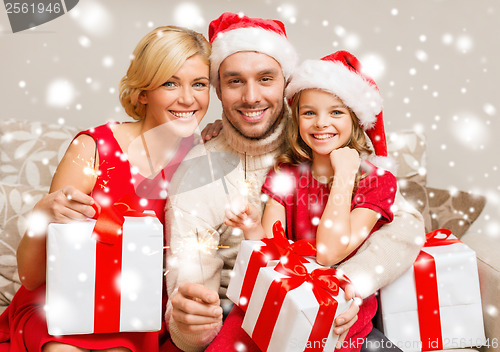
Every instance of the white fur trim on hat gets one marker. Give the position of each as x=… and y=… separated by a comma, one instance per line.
x=252, y=39
x=384, y=162
x=355, y=92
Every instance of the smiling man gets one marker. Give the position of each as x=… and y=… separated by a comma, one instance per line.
x=251, y=62
x=252, y=98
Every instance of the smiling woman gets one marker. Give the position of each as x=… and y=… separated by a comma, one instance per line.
x=166, y=90
x=181, y=101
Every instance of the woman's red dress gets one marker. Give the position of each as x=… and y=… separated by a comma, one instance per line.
x=23, y=326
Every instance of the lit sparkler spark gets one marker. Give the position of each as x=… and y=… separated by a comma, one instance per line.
x=91, y=167
x=247, y=185
x=199, y=257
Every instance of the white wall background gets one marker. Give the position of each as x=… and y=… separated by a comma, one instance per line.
x=436, y=63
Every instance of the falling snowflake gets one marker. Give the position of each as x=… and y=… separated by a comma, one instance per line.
x=489, y=109
x=37, y=224
x=470, y=131
x=421, y=55
x=464, y=43
x=93, y=17
x=288, y=12
x=352, y=41
x=84, y=41
x=493, y=229
x=60, y=93
x=447, y=39
x=492, y=311
x=240, y=347
x=282, y=184
x=373, y=65
x=189, y=15
x=108, y=61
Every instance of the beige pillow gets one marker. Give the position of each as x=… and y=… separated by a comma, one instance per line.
x=454, y=211
x=408, y=149
x=30, y=151
x=16, y=203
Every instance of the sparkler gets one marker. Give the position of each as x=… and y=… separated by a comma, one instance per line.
x=247, y=185
x=90, y=167
x=199, y=257
x=95, y=162
x=201, y=245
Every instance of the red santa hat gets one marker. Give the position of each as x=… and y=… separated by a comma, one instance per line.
x=232, y=32
x=340, y=73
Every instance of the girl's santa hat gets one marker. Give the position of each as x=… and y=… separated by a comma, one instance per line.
x=340, y=73
x=232, y=32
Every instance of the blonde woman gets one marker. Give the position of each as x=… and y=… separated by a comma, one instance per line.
x=166, y=92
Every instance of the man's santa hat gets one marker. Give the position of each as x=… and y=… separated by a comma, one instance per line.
x=232, y=32
x=340, y=73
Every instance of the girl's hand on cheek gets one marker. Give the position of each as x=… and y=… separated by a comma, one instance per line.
x=345, y=161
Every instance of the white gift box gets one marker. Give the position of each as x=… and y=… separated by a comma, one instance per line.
x=71, y=277
x=296, y=317
x=460, y=312
x=247, y=249
x=240, y=275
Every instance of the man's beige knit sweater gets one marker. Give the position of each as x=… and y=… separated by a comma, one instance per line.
x=203, y=249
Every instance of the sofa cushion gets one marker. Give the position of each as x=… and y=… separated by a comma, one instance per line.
x=408, y=149
x=455, y=211
x=487, y=248
x=16, y=203
x=30, y=151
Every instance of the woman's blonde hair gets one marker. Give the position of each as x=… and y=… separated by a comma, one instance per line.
x=299, y=152
x=158, y=56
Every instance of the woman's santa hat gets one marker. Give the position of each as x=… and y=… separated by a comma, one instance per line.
x=232, y=32
x=340, y=73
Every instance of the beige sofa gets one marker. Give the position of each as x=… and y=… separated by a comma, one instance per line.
x=30, y=151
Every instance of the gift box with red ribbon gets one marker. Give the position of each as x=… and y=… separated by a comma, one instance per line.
x=105, y=276
x=254, y=255
x=436, y=304
x=293, y=307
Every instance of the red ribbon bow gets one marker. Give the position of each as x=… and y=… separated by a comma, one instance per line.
x=281, y=244
x=325, y=286
x=109, y=219
x=432, y=239
x=275, y=248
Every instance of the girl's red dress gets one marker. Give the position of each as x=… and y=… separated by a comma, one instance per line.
x=304, y=199
x=23, y=326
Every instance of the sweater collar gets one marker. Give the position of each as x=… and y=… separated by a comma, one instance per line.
x=254, y=147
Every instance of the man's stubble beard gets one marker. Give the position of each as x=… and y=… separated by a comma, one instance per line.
x=267, y=132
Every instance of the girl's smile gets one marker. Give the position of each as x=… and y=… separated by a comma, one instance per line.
x=325, y=123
